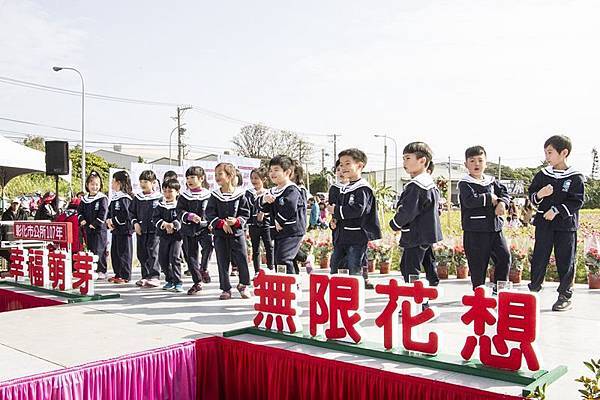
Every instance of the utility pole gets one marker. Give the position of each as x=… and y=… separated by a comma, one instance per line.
x=384, y=161
x=499, y=168
x=322, y=159
x=180, y=132
x=335, y=153
x=449, y=199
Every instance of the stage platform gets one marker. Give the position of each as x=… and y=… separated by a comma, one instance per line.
x=45, y=339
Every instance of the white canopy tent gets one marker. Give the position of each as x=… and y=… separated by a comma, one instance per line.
x=16, y=159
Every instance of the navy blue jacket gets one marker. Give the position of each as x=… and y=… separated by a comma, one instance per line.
x=254, y=202
x=118, y=212
x=192, y=203
x=288, y=209
x=478, y=213
x=566, y=200
x=93, y=210
x=142, y=210
x=356, y=214
x=334, y=193
x=417, y=215
x=223, y=205
x=166, y=212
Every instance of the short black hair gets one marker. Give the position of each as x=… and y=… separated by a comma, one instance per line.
x=337, y=164
x=239, y=177
x=559, y=143
x=420, y=149
x=474, y=151
x=122, y=177
x=171, y=184
x=195, y=171
x=285, y=162
x=170, y=175
x=356, y=154
x=148, y=175
x=298, y=177
x=430, y=167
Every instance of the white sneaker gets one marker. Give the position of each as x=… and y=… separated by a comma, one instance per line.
x=141, y=282
x=152, y=283
x=101, y=276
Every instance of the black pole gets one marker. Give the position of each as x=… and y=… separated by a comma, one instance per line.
x=56, y=199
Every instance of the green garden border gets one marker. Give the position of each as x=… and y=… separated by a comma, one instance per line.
x=530, y=380
x=71, y=297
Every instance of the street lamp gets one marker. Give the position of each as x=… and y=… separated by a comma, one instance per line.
x=385, y=137
x=56, y=69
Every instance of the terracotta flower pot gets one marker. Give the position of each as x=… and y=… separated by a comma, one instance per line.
x=462, y=272
x=384, y=267
x=324, y=262
x=515, y=275
x=593, y=281
x=371, y=265
x=442, y=271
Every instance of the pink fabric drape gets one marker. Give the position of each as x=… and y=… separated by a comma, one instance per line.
x=166, y=373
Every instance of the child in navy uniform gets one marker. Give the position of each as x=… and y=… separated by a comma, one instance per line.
x=119, y=223
x=355, y=214
x=228, y=211
x=142, y=210
x=191, y=210
x=258, y=226
x=167, y=225
x=417, y=215
x=92, y=218
x=287, y=208
x=429, y=262
x=483, y=202
x=558, y=193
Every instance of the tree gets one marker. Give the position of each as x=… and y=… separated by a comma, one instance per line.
x=595, y=165
x=35, y=142
x=260, y=141
x=319, y=182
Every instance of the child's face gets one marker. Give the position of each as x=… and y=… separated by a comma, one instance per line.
x=256, y=181
x=115, y=185
x=170, y=194
x=222, y=178
x=350, y=168
x=194, y=181
x=278, y=175
x=146, y=186
x=93, y=186
x=413, y=165
x=553, y=157
x=476, y=165
x=339, y=175
x=321, y=206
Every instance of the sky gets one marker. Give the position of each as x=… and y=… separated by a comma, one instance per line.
x=504, y=74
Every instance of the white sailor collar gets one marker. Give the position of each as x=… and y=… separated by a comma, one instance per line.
x=119, y=195
x=276, y=192
x=423, y=180
x=168, y=205
x=351, y=187
x=560, y=174
x=90, y=199
x=255, y=194
x=150, y=196
x=339, y=184
x=201, y=195
x=485, y=181
x=237, y=193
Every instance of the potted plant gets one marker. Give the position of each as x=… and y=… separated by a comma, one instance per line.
x=592, y=262
x=591, y=386
x=306, y=247
x=460, y=261
x=322, y=251
x=385, y=253
x=372, y=251
x=443, y=256
x=518, y=258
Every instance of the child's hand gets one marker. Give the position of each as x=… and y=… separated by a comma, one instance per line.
x=231, y=221
x=500, y=209
x=333, y=224
x=260, y=216
x=227, y=229
x=109, y=224
x=331, y=208
x=278, y=227
x=549, y=215
x=83, y=223
x=138, y=229
x=494, y=199
x=269, y=198
x=92, y=227
x=197, y=219
x=545, y=192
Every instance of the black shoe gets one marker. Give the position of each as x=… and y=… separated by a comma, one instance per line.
x=188, y=273
x=425, y=306
x=205, y=276
x=562, y=304
x=195, y=289
x=369, y=285
x=532, y=289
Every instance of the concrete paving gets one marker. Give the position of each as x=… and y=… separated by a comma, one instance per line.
x=45, y=339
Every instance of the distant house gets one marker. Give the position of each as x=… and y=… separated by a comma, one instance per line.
x=122, y=160
x=165, y=161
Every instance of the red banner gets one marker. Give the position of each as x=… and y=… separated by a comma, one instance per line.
x=57, y=232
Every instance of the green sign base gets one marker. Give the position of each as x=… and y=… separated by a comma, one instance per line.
x=529, y=380
x=69, y=296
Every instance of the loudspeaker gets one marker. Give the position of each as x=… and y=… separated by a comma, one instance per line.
x=57, y=158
